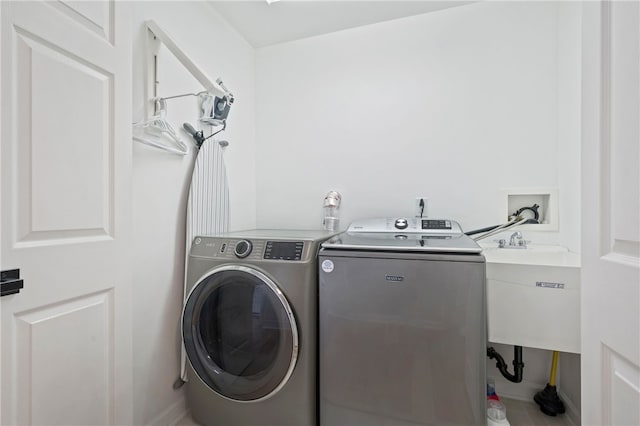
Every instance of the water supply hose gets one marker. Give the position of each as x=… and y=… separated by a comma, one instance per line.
x=534, y=209
x=481, y=230
x=514, y=222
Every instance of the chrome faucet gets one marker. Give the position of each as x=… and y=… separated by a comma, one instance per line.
x=515, y=236
x=516, y=241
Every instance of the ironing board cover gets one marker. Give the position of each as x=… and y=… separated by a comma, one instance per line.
x=208, y=204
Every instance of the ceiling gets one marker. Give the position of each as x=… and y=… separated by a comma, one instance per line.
x=263, y=24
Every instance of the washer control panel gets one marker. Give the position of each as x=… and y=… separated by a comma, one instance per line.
x=406, y=225
x=251, y=249
x=401, y=234
x=401, y=223
x=243, y=249
x=436, y=224
x=283, y=250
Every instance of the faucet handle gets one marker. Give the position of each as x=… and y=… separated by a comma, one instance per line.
x=502, y=243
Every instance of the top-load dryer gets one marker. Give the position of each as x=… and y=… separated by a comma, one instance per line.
x=249, y=328
x=402, y=325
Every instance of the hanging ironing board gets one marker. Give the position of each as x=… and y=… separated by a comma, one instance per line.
x=207, y=206
x=208, y=203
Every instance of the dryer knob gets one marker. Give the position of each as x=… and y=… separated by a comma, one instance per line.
x=243, y=248
x=401, y=223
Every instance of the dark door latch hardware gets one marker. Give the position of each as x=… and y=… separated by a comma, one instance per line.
x=10, y=282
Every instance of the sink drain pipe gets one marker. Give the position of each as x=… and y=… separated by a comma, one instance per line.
x=501, y=365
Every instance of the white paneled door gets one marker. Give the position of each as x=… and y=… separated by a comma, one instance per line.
x=611, y=214
x=65, y=168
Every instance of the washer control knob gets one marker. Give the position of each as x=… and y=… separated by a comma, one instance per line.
x=243, y=248
x=401, y=223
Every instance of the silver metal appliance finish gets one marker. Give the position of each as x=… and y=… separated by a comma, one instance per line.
x=292, y=398
x=400, y=234
x=402, y=333
x=397, y=224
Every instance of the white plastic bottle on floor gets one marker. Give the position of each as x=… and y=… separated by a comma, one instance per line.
x=496, y=413
x=496, y=410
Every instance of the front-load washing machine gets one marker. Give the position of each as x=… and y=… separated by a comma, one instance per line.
x=249, y=328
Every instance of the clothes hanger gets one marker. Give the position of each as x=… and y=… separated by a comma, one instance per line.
x=165, y=137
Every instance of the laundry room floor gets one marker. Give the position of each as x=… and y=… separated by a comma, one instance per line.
x=519, y=413
x=186, y=421
x=525, y=413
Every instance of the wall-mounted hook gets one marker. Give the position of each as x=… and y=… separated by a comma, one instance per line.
x=198, y=135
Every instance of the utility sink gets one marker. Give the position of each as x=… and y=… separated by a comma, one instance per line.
x=542, y=255
x=533, y=297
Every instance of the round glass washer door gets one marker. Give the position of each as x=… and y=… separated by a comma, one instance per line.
x=240, y=333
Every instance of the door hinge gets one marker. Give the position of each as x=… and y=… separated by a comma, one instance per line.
x=10, y=282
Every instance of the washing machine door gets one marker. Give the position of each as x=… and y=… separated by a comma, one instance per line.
x=240, y=333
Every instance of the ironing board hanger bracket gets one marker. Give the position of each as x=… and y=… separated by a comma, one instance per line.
x=166, y=98
x=155, y=107
x=214, y=88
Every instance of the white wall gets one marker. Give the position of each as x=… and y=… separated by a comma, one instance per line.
x=160, y=188
x=454, y=105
